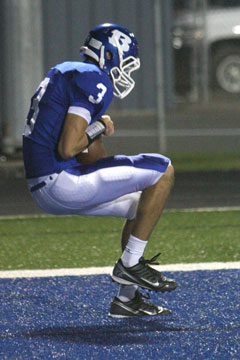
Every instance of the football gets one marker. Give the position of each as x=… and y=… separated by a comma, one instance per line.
x=96, y=151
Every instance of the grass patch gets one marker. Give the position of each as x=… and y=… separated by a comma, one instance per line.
x=69, y=242
x=205, y=161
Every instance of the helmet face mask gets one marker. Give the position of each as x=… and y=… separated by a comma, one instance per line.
x=115, y=50
x=123, y=83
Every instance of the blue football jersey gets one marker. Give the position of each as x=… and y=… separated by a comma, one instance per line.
x=68, y=84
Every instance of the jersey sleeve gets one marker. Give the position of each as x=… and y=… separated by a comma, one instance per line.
x=80, y=111
x=91, y=91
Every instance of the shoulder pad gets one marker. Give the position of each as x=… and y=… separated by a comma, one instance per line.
x=89, y=78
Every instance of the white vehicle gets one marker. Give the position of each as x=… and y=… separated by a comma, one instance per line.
x=220, y=31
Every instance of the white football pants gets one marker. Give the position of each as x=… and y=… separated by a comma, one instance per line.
x=112, y=188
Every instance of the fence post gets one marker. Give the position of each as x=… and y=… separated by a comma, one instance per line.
x=22, y=63
x=158, y=28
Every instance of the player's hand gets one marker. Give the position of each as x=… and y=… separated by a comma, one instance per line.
x=109, y=125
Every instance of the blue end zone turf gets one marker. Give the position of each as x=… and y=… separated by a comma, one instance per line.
x=66, y=318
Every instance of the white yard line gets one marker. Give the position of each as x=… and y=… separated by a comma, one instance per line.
x=108, y=269
x=27, y=216
x=201, y=209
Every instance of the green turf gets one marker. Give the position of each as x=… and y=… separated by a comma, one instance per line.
x=205, y=161
x=58, y=242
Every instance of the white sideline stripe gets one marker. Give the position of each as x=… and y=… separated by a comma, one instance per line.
x=179, y=132
x=108, y=269
x=200, y=209
x=206, y=209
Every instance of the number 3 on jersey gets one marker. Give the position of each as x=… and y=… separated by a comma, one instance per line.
x=100, y=94
x=33, y=113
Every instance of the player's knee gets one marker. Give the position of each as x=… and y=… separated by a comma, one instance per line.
x=132, y=210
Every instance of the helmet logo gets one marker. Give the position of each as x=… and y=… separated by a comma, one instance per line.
x=120, y=40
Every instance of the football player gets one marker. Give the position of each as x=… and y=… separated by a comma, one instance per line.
x=68, y=170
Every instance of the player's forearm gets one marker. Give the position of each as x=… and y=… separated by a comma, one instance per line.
x=70, y=147
x=96, y=151
x=76, y=136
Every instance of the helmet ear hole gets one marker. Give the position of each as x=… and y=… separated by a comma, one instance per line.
x=109, y=55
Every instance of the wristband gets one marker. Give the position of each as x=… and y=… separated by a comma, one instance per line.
x=94, y=130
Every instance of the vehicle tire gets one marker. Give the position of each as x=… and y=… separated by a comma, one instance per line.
x=226, y=69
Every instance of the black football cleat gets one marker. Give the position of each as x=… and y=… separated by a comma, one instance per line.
x=135, y=307
x=143, y=275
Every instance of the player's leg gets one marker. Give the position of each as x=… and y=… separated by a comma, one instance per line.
x=95, y=189
x=151, y=205
x=128, y=301
x=126, y=292
x=126, y=232
x=140, y=174
x=144, y=223
x=86, y=190
x=132, y=268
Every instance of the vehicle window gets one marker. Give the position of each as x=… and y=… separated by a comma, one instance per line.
x=224, y=3
x=188, y=4
x=181, y=5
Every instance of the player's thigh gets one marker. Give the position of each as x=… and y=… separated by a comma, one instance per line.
x=109, y=179
x=125, y=206
x=104, y=185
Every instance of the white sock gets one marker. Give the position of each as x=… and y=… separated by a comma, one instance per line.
x=133, y=251
x=127, y=292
